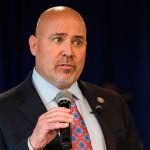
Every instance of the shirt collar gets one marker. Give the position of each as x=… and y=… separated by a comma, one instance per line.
x=48, y=92
x=75, y=90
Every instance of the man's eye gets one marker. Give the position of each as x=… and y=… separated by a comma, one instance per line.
x=78, y=43
x=57, y=39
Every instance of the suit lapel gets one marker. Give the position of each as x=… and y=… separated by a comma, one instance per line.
x=102, y=116
x=32, y=106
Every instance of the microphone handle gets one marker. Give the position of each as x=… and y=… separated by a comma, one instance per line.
x=65, y=138
x=65, y=133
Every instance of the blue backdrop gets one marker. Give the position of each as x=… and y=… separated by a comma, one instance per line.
x=118, y=51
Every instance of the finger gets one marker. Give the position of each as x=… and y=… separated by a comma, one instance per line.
x=59, y=109
x=57, y=126
x=55, y=119
x=55, y=113
x=49, y=127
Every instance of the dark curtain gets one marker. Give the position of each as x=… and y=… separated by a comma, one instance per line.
x=118, y=53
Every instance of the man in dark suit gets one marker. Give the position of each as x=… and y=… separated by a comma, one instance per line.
x=29, y=116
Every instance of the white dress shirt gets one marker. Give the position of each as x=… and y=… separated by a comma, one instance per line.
x=48, y=92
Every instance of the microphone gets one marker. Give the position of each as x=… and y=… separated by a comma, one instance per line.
x=98, y=109
x=63, y=99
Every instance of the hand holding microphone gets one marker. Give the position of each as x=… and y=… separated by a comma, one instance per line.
x=49, y=124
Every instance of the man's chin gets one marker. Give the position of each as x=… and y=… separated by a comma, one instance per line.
x=65, y=83
x=64, y=79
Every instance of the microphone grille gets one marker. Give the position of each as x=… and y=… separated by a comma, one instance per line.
x=99, y=108
x=64, y=95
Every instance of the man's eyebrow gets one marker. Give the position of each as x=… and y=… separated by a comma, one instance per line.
x=79, y=37
x=59, y=34
x=65, y=34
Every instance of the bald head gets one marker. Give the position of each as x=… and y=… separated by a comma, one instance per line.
x=54, y=13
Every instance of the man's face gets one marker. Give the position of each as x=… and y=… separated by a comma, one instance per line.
x=60, y=50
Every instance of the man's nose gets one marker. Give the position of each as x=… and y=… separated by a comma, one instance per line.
x=68, y=49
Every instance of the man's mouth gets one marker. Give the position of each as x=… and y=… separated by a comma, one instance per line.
x=66, y=66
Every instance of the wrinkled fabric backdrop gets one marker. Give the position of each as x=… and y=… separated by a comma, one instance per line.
x=118, y=53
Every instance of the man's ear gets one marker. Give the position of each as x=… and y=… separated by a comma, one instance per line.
x=33, y=44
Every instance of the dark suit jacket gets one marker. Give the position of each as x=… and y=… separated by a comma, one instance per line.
x=21, y=106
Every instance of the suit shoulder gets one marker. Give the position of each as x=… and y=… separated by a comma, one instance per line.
x=22, y=89
x=8, y=95
x=98, y=89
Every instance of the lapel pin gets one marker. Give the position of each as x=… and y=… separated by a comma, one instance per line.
x=100, y=100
